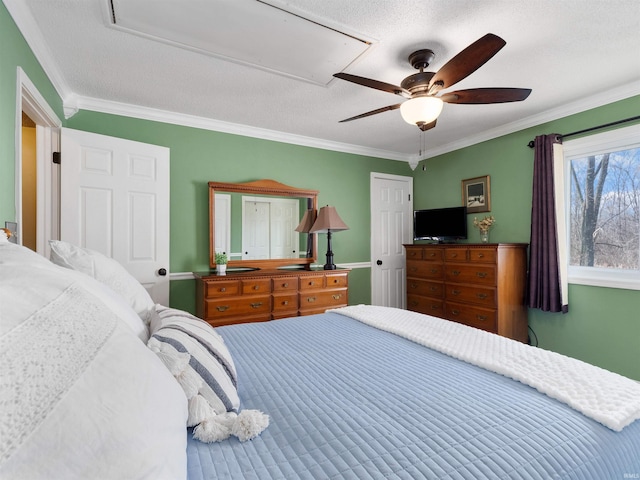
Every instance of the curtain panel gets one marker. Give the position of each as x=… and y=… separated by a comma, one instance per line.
x=547, y=282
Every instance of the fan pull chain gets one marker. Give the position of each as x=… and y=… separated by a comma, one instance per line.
x=422, y=148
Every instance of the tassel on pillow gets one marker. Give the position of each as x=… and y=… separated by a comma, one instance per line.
x=249, y=424
x=246, y=425
x=199, y=409
x=175, y=361
x=215, y=428
x=190, y=382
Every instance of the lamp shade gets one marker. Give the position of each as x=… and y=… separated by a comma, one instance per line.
x=421, y=110
x=328, y=220
x=307, y=222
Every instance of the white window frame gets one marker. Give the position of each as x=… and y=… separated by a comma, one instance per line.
x=621, y=139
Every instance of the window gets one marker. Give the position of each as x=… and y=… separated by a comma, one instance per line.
x=602, y=198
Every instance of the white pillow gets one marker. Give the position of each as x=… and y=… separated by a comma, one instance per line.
x=84, y=398
x=106, y=270
x=14, y=254
x=116, y=303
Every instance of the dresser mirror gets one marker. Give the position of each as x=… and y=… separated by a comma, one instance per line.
x=255, y=223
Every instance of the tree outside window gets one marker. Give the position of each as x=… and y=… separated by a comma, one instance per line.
x=605, y=210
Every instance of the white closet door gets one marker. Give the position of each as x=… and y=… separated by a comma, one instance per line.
x=285, y=216
x=255, y=229
x=222, y=221
x=391, y=228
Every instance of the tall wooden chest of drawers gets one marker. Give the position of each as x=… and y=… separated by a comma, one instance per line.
x=261, y=295
x=480, y=285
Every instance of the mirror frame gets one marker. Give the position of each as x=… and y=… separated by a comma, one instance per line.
x=261, y=187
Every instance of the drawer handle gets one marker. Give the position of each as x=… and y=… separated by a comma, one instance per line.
x=223, y=289
x=455, y=272
x=414, y=303
x=414, y=269
x=456, y=292
x=482, y=274
x=481, y=255
x=256, y=305
x=482, y=318
x=285, y=285
x=256, y=287
x=335, y=280
x=434, y=270
x=311, y=299
x=455, y=312
x=435, y=307
x=433, y=289
x=432, y=254
x=337, y=296
x=222, y=308
x=482, y=296
x=312, y=283
x=286, y=302
x=413, y=285
x=454, y=255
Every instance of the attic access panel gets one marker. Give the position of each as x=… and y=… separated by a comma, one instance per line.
x=248, y=32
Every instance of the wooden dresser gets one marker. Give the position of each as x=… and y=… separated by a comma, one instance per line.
x=261, y=295
x=481, y=285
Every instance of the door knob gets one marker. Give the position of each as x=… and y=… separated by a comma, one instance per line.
x=379, y=262
x=162, y=272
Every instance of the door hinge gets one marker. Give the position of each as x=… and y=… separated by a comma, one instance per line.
x=57, y=159
x=409, y=197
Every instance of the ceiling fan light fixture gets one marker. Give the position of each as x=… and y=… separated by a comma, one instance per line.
x=421, y=110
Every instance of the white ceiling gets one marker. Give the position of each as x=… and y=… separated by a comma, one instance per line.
x=574, y=54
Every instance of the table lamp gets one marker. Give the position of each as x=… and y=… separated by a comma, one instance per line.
x=328, y=221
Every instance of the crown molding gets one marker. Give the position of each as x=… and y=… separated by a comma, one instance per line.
x=74, y=103
x=579, y=106
x=31, y=33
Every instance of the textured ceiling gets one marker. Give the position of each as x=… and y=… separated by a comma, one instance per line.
x=574, y=54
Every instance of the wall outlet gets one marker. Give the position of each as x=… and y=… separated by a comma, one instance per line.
x=13, y=228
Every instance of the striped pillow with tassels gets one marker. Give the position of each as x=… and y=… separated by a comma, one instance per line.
x=197, y=357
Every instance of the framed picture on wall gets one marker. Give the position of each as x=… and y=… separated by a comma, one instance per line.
x=476, y=194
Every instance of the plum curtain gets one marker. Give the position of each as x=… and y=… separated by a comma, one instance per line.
x=547, y=282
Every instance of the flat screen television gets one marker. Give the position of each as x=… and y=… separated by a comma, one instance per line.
x=444, y=225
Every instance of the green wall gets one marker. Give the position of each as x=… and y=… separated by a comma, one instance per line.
x=14, y=52
x=603, y=324
x=199, y=156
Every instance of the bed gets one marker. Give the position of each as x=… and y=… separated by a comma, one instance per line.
x=351, y=393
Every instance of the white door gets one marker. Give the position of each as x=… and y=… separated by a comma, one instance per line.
x=222, y=221
x=285, y=215
x=391, y=227
x=255, y=229
x=115, y=200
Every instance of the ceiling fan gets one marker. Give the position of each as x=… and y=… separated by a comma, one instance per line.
x=423, y=106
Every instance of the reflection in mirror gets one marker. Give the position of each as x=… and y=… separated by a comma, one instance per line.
x=255, y=224
x=305, y=225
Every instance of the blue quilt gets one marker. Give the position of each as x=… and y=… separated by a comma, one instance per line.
x=348, y=401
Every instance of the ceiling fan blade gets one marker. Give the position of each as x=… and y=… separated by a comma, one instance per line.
x=372, y=112
x=466, y=62
x=367, y=82
x=486, y=95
